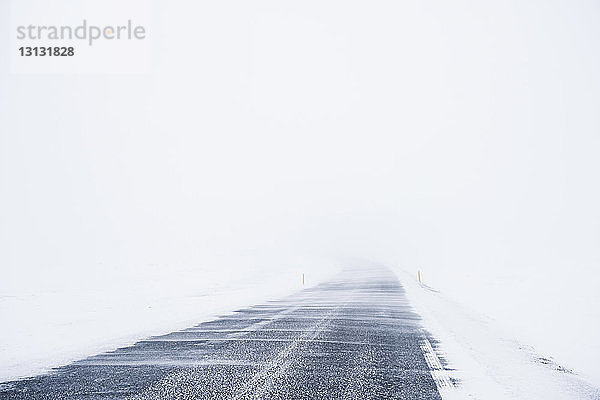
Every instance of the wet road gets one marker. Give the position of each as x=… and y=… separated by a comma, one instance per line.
x=354, y=337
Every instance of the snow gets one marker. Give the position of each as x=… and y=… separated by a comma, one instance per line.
x=484, y=358
x=460, y=138
x=52, y=328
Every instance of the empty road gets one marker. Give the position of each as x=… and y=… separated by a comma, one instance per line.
x=354, y=337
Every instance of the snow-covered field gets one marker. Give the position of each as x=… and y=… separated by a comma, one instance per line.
x=495, y=357
x=493, y=348
x=46, y=329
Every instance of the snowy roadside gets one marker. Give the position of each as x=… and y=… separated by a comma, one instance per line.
x=46, y=330
x=485, y=362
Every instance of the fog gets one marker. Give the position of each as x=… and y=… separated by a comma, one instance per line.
x=457, y=138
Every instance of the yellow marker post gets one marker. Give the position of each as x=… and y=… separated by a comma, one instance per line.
x=419, y=275
x=302, y=279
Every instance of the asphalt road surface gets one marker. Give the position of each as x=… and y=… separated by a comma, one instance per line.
x=354, y=337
